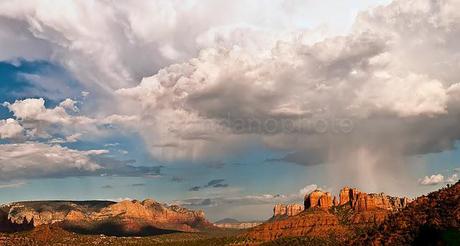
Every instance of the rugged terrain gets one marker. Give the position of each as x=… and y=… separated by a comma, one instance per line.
x=433, y=219
x=324, y=216
x=356, y=218
x=235, y=224
x=126, y=218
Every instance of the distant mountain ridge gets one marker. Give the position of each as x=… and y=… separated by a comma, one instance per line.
x=230, y=223
x=227, y=220
x=146, y=217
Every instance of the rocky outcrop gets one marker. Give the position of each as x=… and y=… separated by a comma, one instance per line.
x=287, y=210
x=235, y=224
x=364, y=202
x=347, y=195
x=131, y=217
x=335, y=202
x=361, y=201
x=433, y=219
x=320, y=223
x=323, y=213
x=238, y=225
x=318, y=199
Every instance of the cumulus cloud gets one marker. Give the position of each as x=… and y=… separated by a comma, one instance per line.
x=43, y=122
x=109, y=45
x=308, y=189
x=384, y=91
x=42, y=160
x=69, y=104
x=452, y=179
x=10, y=129
x=436, y=179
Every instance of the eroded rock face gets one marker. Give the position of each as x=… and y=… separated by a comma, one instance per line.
x=239, y=225
x=347, y=195
x=439, y=211
x=364, y=202
x=130, y=216
x=318, y=199
x=355, y=208
x=361, y=201
x=320, y=223
x=335, y=202
x=287, y=210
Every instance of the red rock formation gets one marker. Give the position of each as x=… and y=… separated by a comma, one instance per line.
x=323, y=213
x=294, y=209
x=318, y=199
x=287, y=210
x=320, y=223
x=347, y=195
x=325, y=201
x=130, y=216
x=361, y=201
x=429, y=220
x=279, y=210
x=335, y=202
x=364, y=202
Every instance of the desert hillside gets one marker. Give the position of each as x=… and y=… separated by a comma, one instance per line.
x=129, y=218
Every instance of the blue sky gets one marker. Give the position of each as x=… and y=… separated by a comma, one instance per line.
x=132, y=108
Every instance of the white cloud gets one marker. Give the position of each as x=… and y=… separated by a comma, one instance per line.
x=12, y=185
x=394, y=76
x=43, y=160
x=69, y=104
x=111, y=45
x=308, y=189
x=10, y=129
x=73, y=138
x=84, y=94
x=432, y=180
x=452, y=179
x=438, y=179
x=42, y=122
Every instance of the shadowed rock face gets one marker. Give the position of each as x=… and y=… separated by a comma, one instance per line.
x=124, y=218
x=318, y=199
x=433, y=219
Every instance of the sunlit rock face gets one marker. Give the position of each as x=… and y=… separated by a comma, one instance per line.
x=287, y=210
x=125, y=217
x=318, y=199
x=361, y=201
x=324, y=213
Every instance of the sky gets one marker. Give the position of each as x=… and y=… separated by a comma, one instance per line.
x=228, y=107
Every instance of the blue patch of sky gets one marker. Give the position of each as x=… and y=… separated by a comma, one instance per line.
x=36, y=79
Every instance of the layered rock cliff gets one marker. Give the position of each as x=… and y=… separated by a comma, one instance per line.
x=318, y=199
x=361, y=201
x=126, y=217
x=235, y=224
x=433, y=219
x=287, y=210
x=325, y=214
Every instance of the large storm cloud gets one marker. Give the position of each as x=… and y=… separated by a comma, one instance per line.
x=361, y=102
